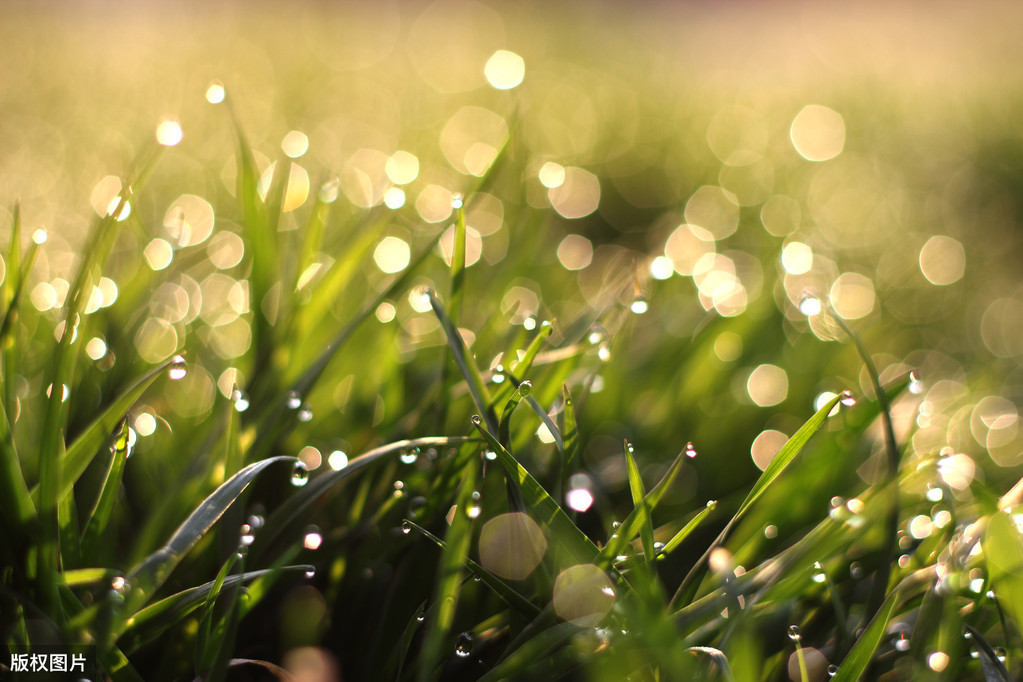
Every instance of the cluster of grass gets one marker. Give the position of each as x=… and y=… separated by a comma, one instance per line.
x=212, y=548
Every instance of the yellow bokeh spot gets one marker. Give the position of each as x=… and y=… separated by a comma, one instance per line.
x=505, y=70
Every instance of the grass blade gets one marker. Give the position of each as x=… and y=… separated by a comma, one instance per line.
x=205, y=649
x=16, y=504
x=100, y=515
x=646, y=527
x=466, y=365
x=579, y=546
x=680, y=536
x=855, y=664
x=153, y=571
x=794, y=445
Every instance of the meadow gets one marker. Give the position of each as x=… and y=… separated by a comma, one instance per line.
x=493, y=341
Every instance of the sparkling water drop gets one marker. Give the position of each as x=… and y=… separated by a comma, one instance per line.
x=690, y=451
x=529, y=324
x=916, y=387
x=639, y=305
x=299, y=475
x=597, y=335
x=294, y=400
x=810, y=306
x=247, y=536
x=490, y=455
x=240, y=399
x=406, y=527
x=477, y=420
x=832, y=670
x=312, y=539
x=818, y=573
x=855, y=570
x=902, y=643
x=409, y=455
x=177, y=368
x=305, y=413
x=525, y=388
x=794, y=633
x=579, y=499
x=463, y=644
x=498, y=375
x=604, y=352
x=934, y=494
x=421, y=616
x=311, y=573
x=847, y=399
x=457, y=201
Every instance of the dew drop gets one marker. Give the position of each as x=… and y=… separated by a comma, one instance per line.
x=712, y=504
x=490, y=455
x=639, y=305
x=818, y=573
x=658, y=547
x=794, y=633
x=118, y=583
x=294, y=400
x=902, y=643
x=855, y=570
x=305, y=413
x=847, y=399
x=240, y=399
x=832, y=670
x=525, y=388
x=312, y=539
x=597, y=335
x=498, y=376
x=421, y=616
x=916, y=387
x=406, y=527
x=457, y=201
x=177, y=369
x=311, y=573
x=690, y=451
x=409, y=455
x=529, y=324
x=256, y=521
x=247, y=536
x=604, y=352
x=463, y=644
x=299, y=475
x=477, y=420
x=810, y=306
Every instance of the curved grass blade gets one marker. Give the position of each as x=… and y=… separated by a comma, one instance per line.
x=16, y=504
x=406, y=639
x=570, y=433
x=541, y=504
x=296, y=505
x=100, y=515
x=168, y=612
x=205, y=649
x=994, y=669
x=639, y=515
x=533, y=650
x=225, y=633
x=466, y=365
x=500, y=588
x=1004, y=556
x=153, y=571
x=794, y=445
x=855, y=664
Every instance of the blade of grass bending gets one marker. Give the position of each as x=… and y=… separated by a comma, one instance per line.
x=449, y=575
x=466, y=364
x=687, y=529
x=570, y=433
x=225, y=633
x=205, y=650
x=98, y=519
x=297, y=504
x=147, y=577
x=639, y=515
x=533, y=650
x=862, y=652
x=646, y=526
x=168, y=612
x=500, y=588
x=87, y=445
x=687, y=589
x=15, y=499
x=994, y=669
x=406, y=640
x=529, y=356
x=541, y=504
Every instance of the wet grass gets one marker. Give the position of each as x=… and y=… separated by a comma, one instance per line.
x=214, y=547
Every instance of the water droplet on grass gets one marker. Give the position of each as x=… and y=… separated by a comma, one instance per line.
x=177, y=369
x=916, y=387
x=604, y=352
x=294, y=400
x=525, y=388
x=490, y=455
x=463, y=644
x=421, y=616
x=457, y=201
x=311, y=573
x=832, y=670
x=305, y=414
x=409, y=455
x=498, y=376
x=818, y=573
x=855, y=570
x=247, y=536
x=299, y=475
x=406, y=527
x=847, y=399
x=597, y=335
x=639, y=305
x=794, y=633
x=312, y=539
x=902, y=643
x=690, y=451
x=476, y=419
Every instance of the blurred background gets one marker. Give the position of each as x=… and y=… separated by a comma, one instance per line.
x=681, y=175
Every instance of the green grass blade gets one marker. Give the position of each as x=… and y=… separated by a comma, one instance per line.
x=87, y=445
x=449, y=575
x=994, y=669
x=153, y=571
x=16, y=504
x=1004, y=555
x=205, y=649
x=220, y=642
x=466, y=365
x=458, y=264
x=80, y=577
x=687, y=529
x=639, y=516
x=294, y=508
x=570, y=433
x=98, y=519
x=540, y=503
x=646, y=527
x=855, y=664
x=161, y=615
x=533, y=650
x=794, y=445
x=502, y=589
x=405, y=642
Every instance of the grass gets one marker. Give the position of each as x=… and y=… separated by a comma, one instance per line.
x=325, y=491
